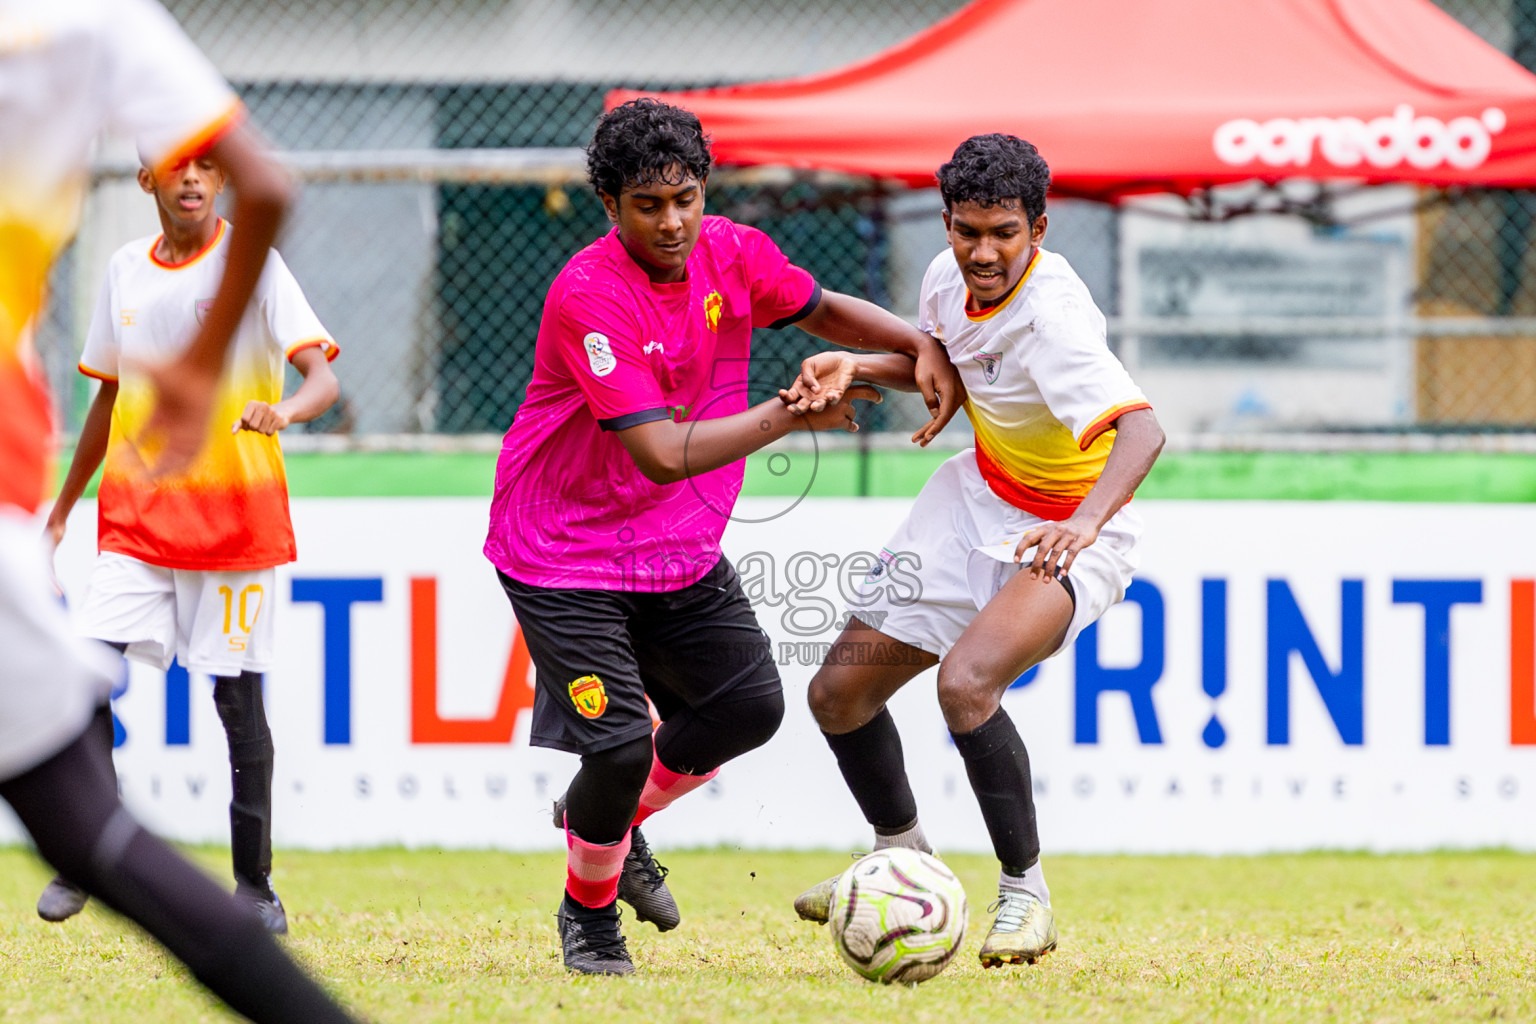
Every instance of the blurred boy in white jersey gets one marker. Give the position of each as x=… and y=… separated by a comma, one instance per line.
x=186, y=563
x=1063, y=436
x=67, y=69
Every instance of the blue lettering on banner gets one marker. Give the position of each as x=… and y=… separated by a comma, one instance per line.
x=1135, y=681
x=178, y=706
x=1213, y=653
x=119, y=687
x=1437, y=597
x=1343, y=692
x=336, y=598
x=1025, y=678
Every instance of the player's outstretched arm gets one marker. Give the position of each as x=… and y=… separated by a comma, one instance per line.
x=317, y=394
x=667, y=452
x=89, y=451
x=184, y=388
x=1138, y=439
x=824, y=376
x=855, y=323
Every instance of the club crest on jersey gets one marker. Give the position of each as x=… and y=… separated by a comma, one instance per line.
x=588, y=695
x=714, y=302
x=201, y=308
x=991, y=363
x=887, y=556
x=600, y=355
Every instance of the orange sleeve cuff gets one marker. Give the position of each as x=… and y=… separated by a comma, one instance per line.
x=332, y=350
x=205, y=138
x=1106, y=420
x=96, y=373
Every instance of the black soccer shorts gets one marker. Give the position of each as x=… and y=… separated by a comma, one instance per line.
x=598, y=654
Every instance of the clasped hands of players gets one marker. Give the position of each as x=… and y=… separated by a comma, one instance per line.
x=826, y=376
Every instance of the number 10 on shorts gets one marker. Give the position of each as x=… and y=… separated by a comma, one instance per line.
x=250, y=600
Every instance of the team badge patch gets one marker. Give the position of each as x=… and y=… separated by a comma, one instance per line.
x=588, y=695
x=714, y=303
x=887, y=556
x=991, y=363
x=600, y=355
x=201, y=308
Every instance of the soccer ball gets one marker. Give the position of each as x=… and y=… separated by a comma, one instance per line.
x=898, y=915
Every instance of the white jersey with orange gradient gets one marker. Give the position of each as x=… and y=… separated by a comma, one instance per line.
x=228, y=511
x=68, y=69
x=1043, y=387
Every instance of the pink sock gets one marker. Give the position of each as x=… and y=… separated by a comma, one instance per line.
x=592, y=871
x=665, y=786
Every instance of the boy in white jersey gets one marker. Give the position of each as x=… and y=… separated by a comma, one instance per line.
x=187, y=561
x=1063, y=436
x=67, y=69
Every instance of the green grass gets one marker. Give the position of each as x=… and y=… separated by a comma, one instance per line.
x=454, y=936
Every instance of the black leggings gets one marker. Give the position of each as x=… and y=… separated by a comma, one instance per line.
x=605, y=794
x=239, y=701
x=244, y=715
x=69, y=804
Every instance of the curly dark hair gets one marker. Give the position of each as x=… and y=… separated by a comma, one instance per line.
x=991, y=170
x=646, y=142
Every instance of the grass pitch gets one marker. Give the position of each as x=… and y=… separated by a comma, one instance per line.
x=453, y=936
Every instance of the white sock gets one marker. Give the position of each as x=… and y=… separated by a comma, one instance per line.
x=1032, y=882
x=911, y=839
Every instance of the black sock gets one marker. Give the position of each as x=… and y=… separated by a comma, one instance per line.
x=239, y=701
x=998, y=766
x=873, y=767
x=69, y=804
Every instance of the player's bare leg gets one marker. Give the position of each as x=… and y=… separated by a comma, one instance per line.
x=1023, y=624
x=848, y=694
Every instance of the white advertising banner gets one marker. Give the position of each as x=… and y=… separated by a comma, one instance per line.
x=1281, y=676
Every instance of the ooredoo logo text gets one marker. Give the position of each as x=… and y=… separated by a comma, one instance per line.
x=1390, y=141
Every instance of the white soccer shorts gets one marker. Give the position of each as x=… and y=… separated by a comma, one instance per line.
x=220, y=623
x=51, y=681
x=934, y=577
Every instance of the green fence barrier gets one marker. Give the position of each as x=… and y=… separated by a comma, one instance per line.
x=1227, y=476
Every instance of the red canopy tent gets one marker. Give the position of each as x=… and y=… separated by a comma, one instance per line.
x=1128, y=96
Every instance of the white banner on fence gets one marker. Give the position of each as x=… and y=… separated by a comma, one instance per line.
x=1282, y=676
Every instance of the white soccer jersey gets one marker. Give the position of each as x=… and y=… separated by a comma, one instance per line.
x=68, y=68
x=1043, y=386
x=229, y=510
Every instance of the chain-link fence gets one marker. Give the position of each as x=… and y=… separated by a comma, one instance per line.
x=440, y=143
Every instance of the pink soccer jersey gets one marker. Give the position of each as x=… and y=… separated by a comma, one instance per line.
x=615, y=350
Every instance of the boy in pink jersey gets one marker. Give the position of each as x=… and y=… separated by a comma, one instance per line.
x=615, y=483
